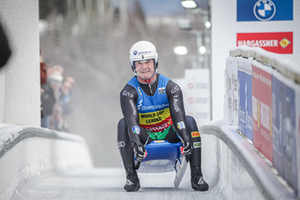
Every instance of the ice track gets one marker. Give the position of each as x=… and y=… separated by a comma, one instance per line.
x=40, y=164
x=105, y=183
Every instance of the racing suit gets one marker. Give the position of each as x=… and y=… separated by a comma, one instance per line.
x=156, y=109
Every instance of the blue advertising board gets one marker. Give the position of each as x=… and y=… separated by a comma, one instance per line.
x=277, y=127
x=284, y=131
x=241, y=109
x=289, y=137
x=264, y=10
x=245, y=104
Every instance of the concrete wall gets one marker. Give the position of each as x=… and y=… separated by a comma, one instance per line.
x=20, y=79
x=224, y=37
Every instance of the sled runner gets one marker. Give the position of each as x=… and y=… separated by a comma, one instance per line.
x=163, y=156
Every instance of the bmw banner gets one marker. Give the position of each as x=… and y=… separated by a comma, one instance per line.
x=264, y=10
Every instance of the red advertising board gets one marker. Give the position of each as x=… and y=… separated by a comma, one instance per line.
x=277, y=42
x=262, y=111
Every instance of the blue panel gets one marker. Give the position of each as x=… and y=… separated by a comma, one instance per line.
x=162, y=157
x=163, y=150
x=284, y=132
x=248, y=105
x=245, y=104
x=289, y=137
x=241, y=110
x=277, y=129
x=264, y=10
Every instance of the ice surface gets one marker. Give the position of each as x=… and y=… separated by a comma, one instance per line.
x=230, y=166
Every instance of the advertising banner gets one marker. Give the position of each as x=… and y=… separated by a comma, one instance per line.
x=289, y=137
x=262, y=110
x=235, y=92
x=277, y=118
x=298, y=135
x=264, y=10
x=196, y=94
x=232, y=91
x=242, y=99
x=228, y=88
x=277, y=42
x=245, y=103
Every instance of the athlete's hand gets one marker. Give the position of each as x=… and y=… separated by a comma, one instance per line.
x=139, y=152
x=186, y=150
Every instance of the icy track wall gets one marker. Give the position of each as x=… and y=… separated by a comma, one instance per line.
x=233, y=167
x=263, y=96
x=26, y=152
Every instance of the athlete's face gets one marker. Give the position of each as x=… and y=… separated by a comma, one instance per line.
x=145, y=69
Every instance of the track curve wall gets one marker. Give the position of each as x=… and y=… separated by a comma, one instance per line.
x=27, y=152
x=230, y=159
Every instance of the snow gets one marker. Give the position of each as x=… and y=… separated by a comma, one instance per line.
x=286, y=66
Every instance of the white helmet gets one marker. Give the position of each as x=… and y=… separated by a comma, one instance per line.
x=143, y=50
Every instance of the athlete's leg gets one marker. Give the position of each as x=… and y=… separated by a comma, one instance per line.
x=195, y=139
x=126, y=151
x=197, y=180
x=124, y=143
x=172, y=136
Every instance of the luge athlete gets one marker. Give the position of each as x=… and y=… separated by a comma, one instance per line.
x=153, y=104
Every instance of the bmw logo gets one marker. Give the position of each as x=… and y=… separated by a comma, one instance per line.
x=134, y=52
x=264, y=10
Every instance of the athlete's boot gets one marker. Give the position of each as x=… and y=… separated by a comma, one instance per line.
x=197, y=180
x=132, y=180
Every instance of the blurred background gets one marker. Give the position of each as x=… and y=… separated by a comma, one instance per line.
x=88, y=41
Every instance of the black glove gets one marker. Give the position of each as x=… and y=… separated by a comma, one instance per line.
x=139, y=152
x=186, y=150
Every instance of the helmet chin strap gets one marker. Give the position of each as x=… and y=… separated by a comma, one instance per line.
x=147, y=80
